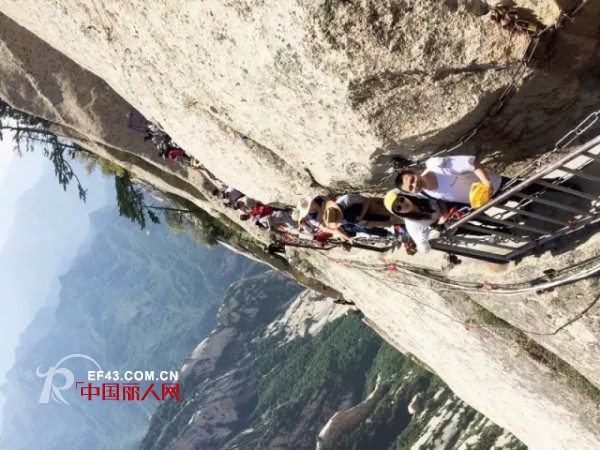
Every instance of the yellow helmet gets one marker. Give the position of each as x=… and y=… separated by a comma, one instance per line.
x=389, y=200
x=480, y=194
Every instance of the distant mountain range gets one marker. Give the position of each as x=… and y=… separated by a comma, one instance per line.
x=144, y=300
x=134, y=300
x=249, y=387
x=43, y=232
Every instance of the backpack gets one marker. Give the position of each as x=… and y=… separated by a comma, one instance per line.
x=259, y=211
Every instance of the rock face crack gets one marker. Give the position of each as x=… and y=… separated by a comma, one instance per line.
x=265, y=155
x=475, y=68
x=360, y=90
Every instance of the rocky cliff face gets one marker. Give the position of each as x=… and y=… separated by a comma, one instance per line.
x=335, y=88
x=251, y=384
x=329, y=86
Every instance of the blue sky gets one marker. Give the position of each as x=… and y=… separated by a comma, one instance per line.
x=31, y=169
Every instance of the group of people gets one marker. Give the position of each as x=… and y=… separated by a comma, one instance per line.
x=167, y=148
x=263, y=216
x=420, y=202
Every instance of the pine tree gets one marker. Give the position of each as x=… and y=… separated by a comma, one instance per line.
x=130, y=201
x=30, y=132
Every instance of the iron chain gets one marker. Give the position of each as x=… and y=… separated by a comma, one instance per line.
x=517, y=76
x=585, y=125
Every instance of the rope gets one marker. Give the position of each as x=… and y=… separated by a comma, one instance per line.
x=469, y=325
x=471, y=287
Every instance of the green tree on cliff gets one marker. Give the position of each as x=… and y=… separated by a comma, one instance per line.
x=30, y=132
x=130, y=201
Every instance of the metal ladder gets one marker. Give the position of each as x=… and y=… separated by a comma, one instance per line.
x=557, y=200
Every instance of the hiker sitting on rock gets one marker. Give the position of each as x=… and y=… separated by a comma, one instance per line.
x=306, y=214
x=351, y=215
x=451, y=179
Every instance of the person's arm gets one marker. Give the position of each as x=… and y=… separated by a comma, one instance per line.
x=377, y=224
x=366, y=202
x=481, y=173
x=443, y=212
x=419, y=232
x=339, y=232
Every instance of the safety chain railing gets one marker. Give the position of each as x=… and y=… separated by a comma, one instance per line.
x=561, y=144
x=517, y=76
x=517, y=183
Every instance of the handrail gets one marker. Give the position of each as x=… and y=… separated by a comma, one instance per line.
x=519, y=187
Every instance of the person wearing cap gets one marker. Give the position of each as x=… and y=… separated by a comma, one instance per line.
x=361, y=211
x=451, y=179
x=306, y=214
x=346, y=219
x=418, y=213
x=331, y=221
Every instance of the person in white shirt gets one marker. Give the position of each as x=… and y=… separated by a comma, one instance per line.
x=448, y=179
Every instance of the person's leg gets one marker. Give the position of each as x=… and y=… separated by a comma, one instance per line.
x=376, y=207
x=350, y=229
x=371, y=231
x=379, y=221
x=351, y=213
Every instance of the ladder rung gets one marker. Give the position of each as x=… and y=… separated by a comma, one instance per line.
x=515, y=225
x=580, y=173
x=534, y=215
x=568, y=190
x=592, y=156
x=495, y=233
x=461, y=238
x=544, y=201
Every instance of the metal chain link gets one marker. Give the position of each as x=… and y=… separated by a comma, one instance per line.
x=561, y=144
x=497, y=106
x=517, y=76
x=585, y=125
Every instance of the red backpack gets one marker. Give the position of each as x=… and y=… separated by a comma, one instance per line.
x=259, y=211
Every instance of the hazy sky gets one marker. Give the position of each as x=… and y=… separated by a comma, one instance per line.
x=6, y=158
x=30, y=170
x=47, y=242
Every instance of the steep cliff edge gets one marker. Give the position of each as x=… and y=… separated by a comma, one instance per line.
x=303, y=80
x=333, y=87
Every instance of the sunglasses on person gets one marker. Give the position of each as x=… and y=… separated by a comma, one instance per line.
x=399, y=204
